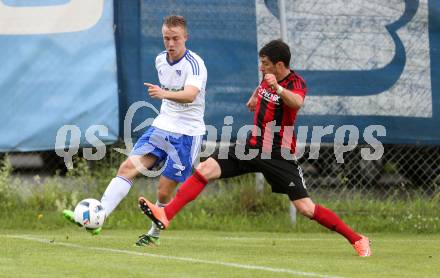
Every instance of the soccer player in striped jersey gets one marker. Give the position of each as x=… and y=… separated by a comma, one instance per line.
x=176, y=133
x=275, y=104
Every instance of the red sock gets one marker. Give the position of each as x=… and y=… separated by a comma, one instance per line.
x=187, y=192
x=329, y=219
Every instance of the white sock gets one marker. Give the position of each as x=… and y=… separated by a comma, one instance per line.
x=154, y=230
x=116, y=190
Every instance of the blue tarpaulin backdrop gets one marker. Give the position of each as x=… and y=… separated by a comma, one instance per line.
x=375, y=65
x=64, y=74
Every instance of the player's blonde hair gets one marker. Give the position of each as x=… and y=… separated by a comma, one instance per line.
x=174, y=21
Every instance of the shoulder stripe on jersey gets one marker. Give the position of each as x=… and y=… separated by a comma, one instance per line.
x=194, y=63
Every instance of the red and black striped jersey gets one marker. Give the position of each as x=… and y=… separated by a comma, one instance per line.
x=275, y=119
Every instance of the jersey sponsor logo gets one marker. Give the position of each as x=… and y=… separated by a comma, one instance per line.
x=268, y=96
x=172, y=90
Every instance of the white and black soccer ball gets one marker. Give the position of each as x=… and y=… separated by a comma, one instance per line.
x=89, y=213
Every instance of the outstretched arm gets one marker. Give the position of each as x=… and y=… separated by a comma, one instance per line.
x=187, y=95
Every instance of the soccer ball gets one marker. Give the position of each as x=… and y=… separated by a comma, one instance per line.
x=89, y=213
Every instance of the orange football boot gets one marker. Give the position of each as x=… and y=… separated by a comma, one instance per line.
x=155, y=213
x=362, y=247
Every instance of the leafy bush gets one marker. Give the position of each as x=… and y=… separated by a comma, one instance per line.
x=229, y=205
x=10, y=200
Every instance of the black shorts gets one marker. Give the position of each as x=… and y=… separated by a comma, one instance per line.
x=284, y=176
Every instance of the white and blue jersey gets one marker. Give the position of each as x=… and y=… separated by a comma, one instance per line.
x=183, y=118
x=176, y=133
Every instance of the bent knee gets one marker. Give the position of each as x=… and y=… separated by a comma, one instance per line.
x=126, y=169
x=209, y=169
x=306, y=211
x=306, y=207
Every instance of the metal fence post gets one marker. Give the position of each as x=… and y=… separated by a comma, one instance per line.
x=283, y=28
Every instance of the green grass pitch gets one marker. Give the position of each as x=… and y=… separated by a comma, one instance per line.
x=75, y=253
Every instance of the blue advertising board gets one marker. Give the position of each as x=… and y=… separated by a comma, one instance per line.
x=58, y=68
x=364, y=63
x=369, y=64
x=227, y=45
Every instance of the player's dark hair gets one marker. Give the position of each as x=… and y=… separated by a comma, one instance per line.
x=276, y=51
x=174, y=21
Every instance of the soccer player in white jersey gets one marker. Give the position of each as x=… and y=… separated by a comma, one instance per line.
x=176, y=133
